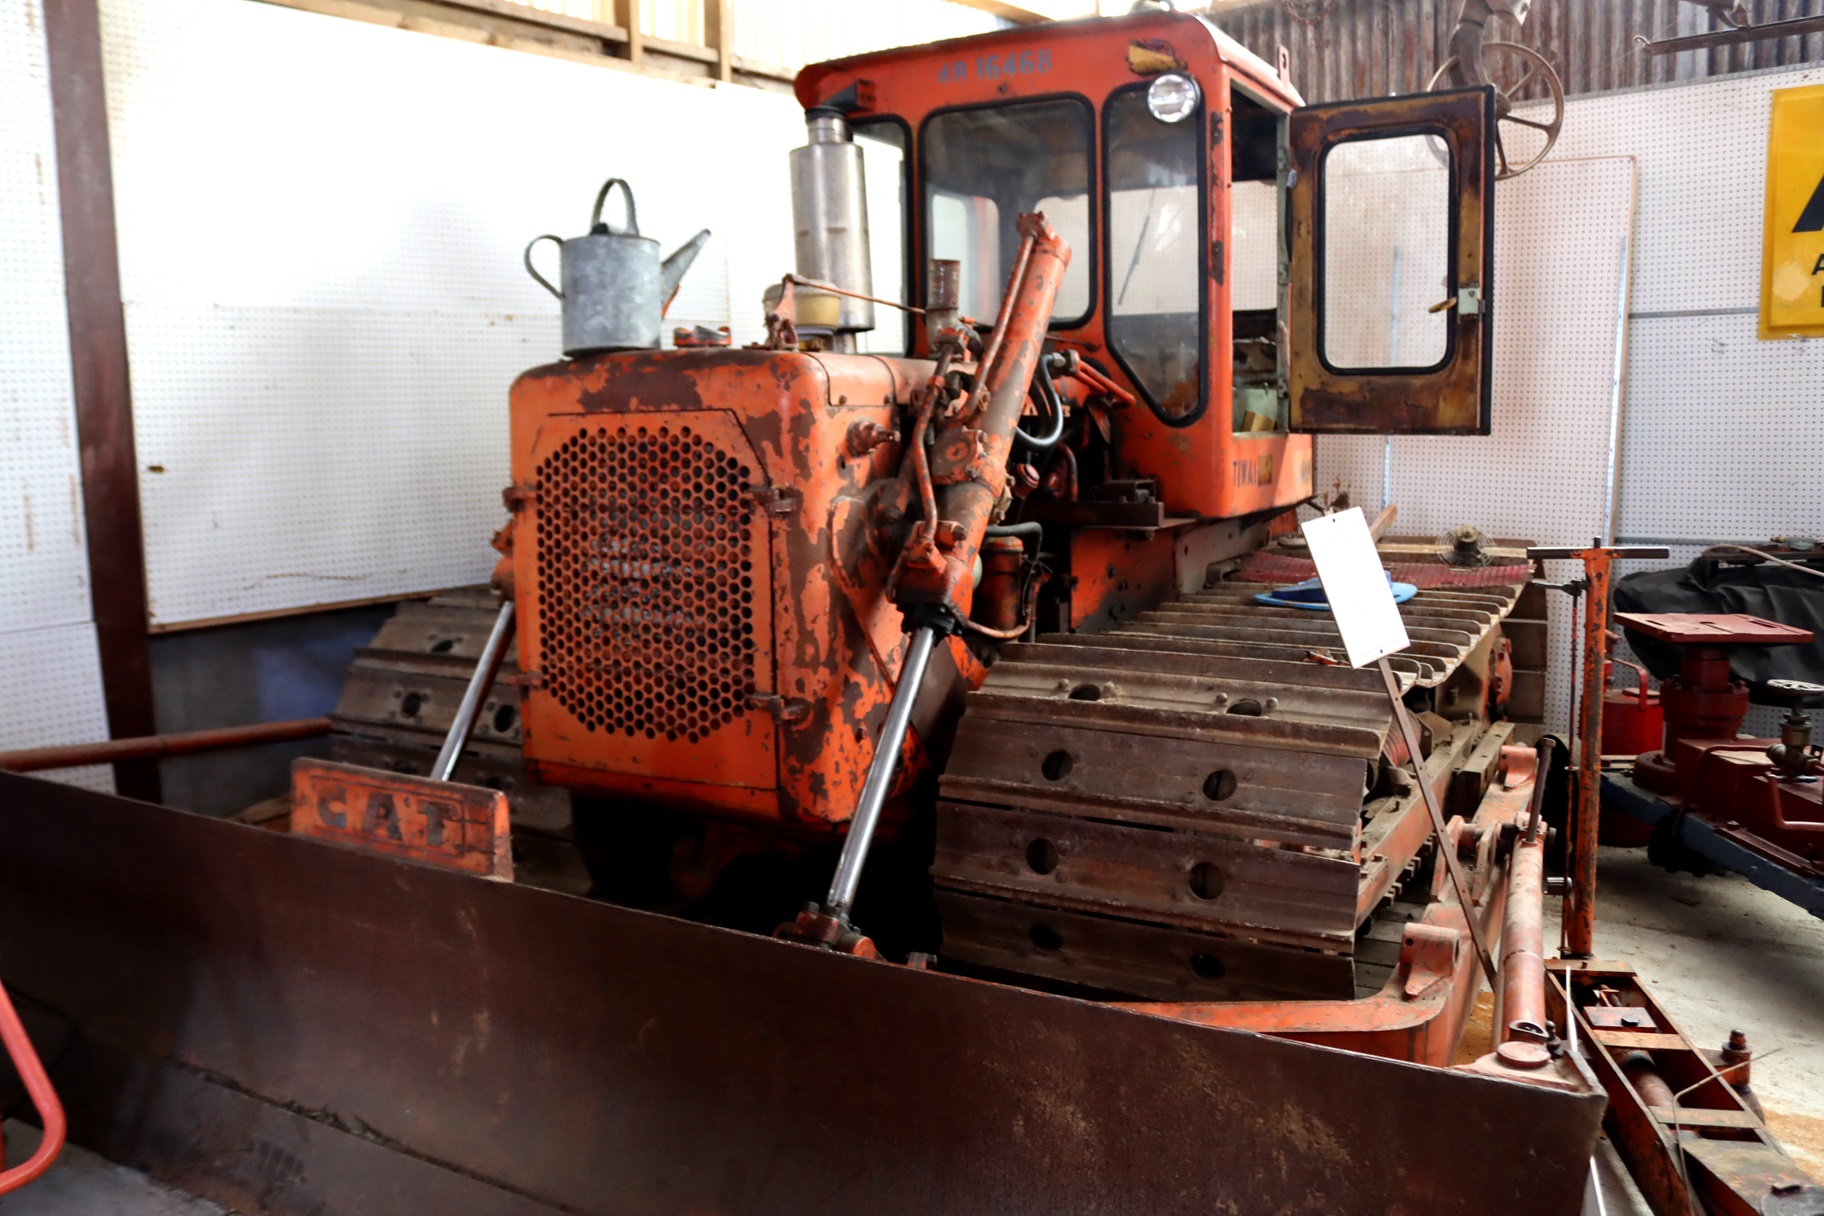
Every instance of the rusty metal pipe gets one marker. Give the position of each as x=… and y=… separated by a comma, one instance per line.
x=1580, y=921
x=975, y=446
x=1523, y=944
x=1643, y=1075
x=149, y=747
x=44, y=1098
x=1542, y=767
x=998, y=336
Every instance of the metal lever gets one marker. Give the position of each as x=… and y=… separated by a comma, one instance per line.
x=1410, y=734
x=880, y=775
x=485, y=670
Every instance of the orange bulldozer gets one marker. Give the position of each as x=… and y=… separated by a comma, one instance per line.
x=960, y=830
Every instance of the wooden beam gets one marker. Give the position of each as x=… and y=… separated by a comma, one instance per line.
x=528, y=15
x=1020, y=14
x=764, y=71
x=681, y=50
x=719, y=34
x=99, y=382
x=627, y=15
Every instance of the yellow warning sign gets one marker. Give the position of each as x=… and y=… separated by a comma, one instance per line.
x=1792, y=259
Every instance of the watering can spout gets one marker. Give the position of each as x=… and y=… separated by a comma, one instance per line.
x=671, y=273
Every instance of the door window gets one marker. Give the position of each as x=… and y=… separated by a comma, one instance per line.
x=1386, y=221
x=1156, y=263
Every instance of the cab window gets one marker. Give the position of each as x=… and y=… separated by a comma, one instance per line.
x=982, y=169
x=1156, y=253
x=883, y=145
x=1255, y=243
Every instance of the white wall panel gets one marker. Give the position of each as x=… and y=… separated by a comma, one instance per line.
x=320, y=255
x=1717, y=442
x=1722, y=439
x=1702, y=150
x=43, y=561
x=59, y=672
x=47, y=634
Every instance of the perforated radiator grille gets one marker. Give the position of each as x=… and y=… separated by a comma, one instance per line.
x=646, y=583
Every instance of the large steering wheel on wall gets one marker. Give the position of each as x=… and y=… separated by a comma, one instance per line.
x=1520, y=143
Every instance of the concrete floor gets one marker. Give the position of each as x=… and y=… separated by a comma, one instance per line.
x=80, y=1183
x=1720, y=953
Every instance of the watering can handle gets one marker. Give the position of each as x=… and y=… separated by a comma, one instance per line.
x=595, y=216
x=533, y=270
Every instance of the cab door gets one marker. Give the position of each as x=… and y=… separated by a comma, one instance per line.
x=1391, y=250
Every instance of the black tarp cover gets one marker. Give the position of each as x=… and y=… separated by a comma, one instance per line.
x=1770, y=592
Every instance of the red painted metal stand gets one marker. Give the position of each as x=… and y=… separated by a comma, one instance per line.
x=44, y=1098
x=1704, y=701
x=1598, y=562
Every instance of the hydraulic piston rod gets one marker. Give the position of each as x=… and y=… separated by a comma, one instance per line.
x=880, y=774
x=486, y=668
x=933, y=578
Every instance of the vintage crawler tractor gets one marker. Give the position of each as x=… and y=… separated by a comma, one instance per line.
x=999, y=588
x=964, y=626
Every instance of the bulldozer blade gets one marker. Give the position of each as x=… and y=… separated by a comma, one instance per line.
x=289, y=1026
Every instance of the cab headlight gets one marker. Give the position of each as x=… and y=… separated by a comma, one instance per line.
x=1172, y=97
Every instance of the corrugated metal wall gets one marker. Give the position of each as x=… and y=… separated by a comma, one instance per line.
x=1372, y=48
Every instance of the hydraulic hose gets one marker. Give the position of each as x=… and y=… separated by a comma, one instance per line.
x=1047, y=392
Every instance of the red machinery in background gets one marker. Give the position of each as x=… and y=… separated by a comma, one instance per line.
x=1751, y=805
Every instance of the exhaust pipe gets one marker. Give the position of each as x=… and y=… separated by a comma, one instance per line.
x=830, y=223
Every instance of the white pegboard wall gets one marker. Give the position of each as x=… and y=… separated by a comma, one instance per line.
x=1702, y=151
x=304, y=479
x=58, y=674
x=1715, y=439
x=1721, y=440
x=43, y=559
x=47, y=638
x=1541, y=473
x=325, y=300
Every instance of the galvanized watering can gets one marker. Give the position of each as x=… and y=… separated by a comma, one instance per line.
x=615, y=288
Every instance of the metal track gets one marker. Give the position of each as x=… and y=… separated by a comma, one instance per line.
x=1176, y=809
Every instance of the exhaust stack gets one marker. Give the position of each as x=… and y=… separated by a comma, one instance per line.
x=830, y=223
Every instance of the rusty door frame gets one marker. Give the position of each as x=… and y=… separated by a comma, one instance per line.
x=1453, y=398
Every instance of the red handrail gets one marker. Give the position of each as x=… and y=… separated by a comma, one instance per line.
x=38, y=1085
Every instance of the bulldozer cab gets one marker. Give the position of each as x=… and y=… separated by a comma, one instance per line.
x=1251, y=269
